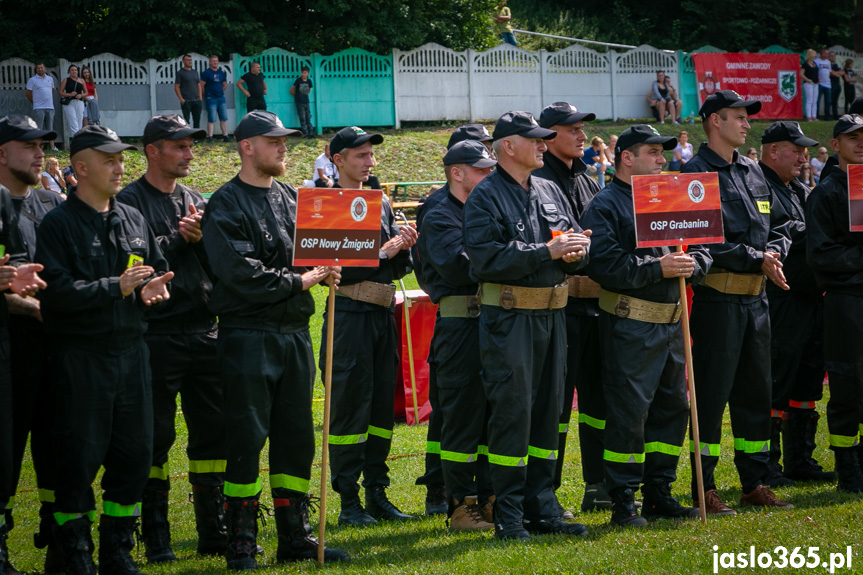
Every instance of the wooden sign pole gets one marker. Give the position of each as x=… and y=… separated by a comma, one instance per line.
x=325, y=441
x=693, y=409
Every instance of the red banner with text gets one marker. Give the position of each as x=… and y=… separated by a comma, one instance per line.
x=855, y=197
x=771, y=78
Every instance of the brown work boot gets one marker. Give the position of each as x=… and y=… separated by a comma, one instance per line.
x=761, y=496
x=467, y=516
x=714, y=505
x=487, y=509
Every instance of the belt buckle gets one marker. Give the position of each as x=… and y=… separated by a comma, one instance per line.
x=507, y=300
x=473, y=307
x=622, y=308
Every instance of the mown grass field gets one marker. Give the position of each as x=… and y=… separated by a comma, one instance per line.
x=822, y=517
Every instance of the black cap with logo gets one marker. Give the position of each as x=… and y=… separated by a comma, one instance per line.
x=18, y=127
x=352, y=137
x=520, y=124
x=847, y=124
x=476, y=132
x=563, y=114
x=470, y=152
x=727, y=99
x=99, y=138
x=643, y=134
x=170, y=127
x=786, y=131
x=263, y=123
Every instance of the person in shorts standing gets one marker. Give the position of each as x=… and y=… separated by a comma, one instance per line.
x=214, y=80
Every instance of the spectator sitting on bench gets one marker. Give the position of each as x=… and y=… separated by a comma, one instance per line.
x=663, y=100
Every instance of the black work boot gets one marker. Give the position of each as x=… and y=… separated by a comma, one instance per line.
x=509, y=530
x=775, y=478
x=658, y=502
x=379, y=507
x=595, y=498
x=44, y=539
x=436, y=500
x=209, y=506
x=116, y=541
x=241, y=516
x=75, y=545
x=155, y=528
x=295, y=534
x=798, y=435
x=353, y=514
x=848, y=469
x=623, y=511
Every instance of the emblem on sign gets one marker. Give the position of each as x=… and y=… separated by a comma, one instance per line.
x=318, y=204
x=787, y=84
x=696, y=191
x=654, y=190
x=359, y=209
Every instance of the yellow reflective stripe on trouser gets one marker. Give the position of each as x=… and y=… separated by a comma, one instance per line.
x=63, y=518
x=711, y=449
x=158, y=473
x=457, y=457
x=659, y=447
x=591, y=421
x=745, y=446
x=507, y=460
x=242, y=490
x=289, y=482
x=539, y=453
x=482, y=450
x=46, y=495
x=563, y=428
x=207, y=465
x=433, y=447
x=381, y=432
x=843, y=440
x=615, y=457
x=348, y=439
x=116, y=510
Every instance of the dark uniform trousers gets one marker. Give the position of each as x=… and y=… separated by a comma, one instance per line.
x=103, y=415
x=523, y=357
x=843, y=353
x=645, y=395
x=268, y=378
x=796, y=348
x=188, y=364
x=363, y=388
x=462, y=408
x=433, y=469
x=731, y=355
x=7, y=486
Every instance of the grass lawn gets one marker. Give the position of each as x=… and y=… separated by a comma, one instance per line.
x=822, y=517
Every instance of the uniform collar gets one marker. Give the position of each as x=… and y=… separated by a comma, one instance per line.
x=771, y=175
x=86, y=211
x=558, y=166
x=714, y=159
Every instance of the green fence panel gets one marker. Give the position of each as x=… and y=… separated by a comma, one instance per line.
x=354, y=88
x=280, y=68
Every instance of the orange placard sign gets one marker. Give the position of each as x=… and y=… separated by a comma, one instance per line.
x=337, y=227
x=674, y=209
x=855, y=197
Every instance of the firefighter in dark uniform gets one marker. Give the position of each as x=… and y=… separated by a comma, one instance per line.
x=564, y=167
x=436, y=498
x=796, y=316
x=102, y=266
x=364, y=351
x=26, y=386
x=518, y=234
x=461, y=398
x=836, y=256
x=182, y=340
x=730, y=321
x=645, y=394
x=264, y=346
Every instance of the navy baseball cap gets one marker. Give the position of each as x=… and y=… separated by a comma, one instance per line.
x=262, y=123
x=470, y=152
x=18, y=127
x=99, y=138
x=727, y=99
x=476, y=132
x=643, y=134
x=520, y=124
x=352, y=137
x=170, y=127
x=847, y=124
x=786, y=131
x=563, y=114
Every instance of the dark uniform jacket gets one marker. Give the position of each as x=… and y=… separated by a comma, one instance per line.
x=30, y=210
x=186, y=311
x=388, y=270
x=788, y=210
x=746, y=222
x=506, y=228
x=445, y=266
x=425, y=207
x=615, y=262
x=249, y=239
x=13, y=244
x=85, y=253
x=834, y=252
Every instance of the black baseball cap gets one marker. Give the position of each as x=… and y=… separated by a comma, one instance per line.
x=352, y=137
x=563, y=114
x=786, y=131
x=262, y=123
x=520, y=124
x=727, y=99
x=847, y=124
x=99, y=138
x=476, y=132
x=470, y=152
x=643, y=134
x=170, y=127
x=856, y=106
x=18, y=127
